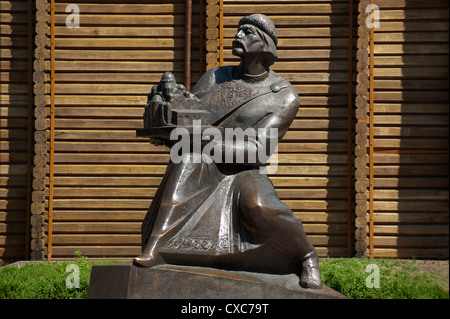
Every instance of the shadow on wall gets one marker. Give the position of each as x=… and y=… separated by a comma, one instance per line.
x=16, y=130
x=411, y=130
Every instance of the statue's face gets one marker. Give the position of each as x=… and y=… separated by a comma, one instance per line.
x=247, y=41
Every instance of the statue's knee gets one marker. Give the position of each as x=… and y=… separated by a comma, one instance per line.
x=265, y=208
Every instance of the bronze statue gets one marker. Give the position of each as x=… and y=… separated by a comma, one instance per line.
x=219, y=211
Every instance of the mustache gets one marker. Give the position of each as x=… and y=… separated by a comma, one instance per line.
x=238, y=43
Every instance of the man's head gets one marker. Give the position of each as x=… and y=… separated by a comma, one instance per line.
x=256, y=34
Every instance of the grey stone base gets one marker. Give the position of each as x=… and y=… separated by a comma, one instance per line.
x=126, y=281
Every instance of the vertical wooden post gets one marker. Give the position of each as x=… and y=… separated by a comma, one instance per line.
x=212, y=34
x=52, y=129
x=361, y=102
x=187, y=52
x=41, y=157
x=220, y=32
x=201, y=38
x=30, y=33
x=349, y=129
x=371, y=126
x=30, y=128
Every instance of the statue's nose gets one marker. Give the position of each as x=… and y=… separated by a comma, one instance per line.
x=240, y=34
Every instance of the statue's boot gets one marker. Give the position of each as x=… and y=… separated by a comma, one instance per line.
x=148, y=258
x=310, y=275
x=145, y=261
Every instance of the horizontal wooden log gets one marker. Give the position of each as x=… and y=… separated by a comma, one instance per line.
x=406, y=15
x=437, y=253
x=411, y=230
x=408, y=26
x=143, y=89
x=405, y=108
x=169, y=54
x=13, y=170
x=116, y=77
x=126, y=19
x=407, y=48
x=434, y=159
x=411, y=96
x=97, y=227
x=412, y=4
x=412, y=73
x=12, y=253
x=12, y=228
x=130, y=135
x=297, y=9
x=307, y=205
x=117, y=43
x=96, y=240
x=404, y=131
x=99, y=215
x=410, y=170
x=148, y=193
x=119, y=66
x=282, y=21
x=145, y=147
x=96, y=251
x=321, y=217
x=296, y=32
x=412, y=143
x=411, y=206
x=13, y=181
x=397, y=218
x=411, y=182
x=334, y=229
x=8, y=192
x=164, y=158
x=110, y=170
x=426, y=37
x=140, y=181
x=11, y=216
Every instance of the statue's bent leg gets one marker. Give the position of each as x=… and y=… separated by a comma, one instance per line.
x=149, y=257
x=267, y=220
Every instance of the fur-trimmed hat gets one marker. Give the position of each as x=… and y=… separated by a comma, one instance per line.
x=262, y=22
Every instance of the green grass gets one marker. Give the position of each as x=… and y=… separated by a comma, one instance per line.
x=397, y=280
x=46, y=280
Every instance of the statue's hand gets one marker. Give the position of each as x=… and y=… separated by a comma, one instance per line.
x=157, y=141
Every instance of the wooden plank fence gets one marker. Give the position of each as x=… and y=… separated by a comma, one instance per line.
x=87, y=176
x=16, y=128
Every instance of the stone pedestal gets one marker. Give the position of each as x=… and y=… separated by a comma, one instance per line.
x=126, y=281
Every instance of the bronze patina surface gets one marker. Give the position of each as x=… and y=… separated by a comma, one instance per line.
x=224, y=213
x=126, y=281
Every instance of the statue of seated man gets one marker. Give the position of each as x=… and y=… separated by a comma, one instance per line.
x=226, y=214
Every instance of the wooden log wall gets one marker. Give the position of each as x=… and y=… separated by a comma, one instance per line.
x=41, y=79
x=361, y=129
x=105, y=177
x=411, y=109
x=15, y=128
x=313, y=55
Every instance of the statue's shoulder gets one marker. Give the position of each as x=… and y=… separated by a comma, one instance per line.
x=215, y=76
x=286, y=93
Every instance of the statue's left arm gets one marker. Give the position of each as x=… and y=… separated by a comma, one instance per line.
x=270, y=128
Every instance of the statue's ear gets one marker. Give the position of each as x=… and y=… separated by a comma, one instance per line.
x=268, y=59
